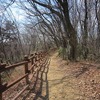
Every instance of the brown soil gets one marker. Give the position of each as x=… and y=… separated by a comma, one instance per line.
x=73, y=81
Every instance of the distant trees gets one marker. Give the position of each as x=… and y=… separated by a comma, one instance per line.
x=72, y=26
x=75, y=22
x=9, y=42
x=58, y=12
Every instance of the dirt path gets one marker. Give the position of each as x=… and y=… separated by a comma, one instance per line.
x=63, y=85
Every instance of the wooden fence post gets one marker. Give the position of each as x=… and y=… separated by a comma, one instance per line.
x=26, y=69
x=0, y=85
x=32, y=61
x=35, y=57
x=2, y=66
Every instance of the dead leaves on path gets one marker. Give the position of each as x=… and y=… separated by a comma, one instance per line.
x=86, y=77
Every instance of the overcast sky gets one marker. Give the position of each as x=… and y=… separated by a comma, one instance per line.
x=13, y=11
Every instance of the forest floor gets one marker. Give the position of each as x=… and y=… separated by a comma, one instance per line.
x=73, y=81
x=63, y=80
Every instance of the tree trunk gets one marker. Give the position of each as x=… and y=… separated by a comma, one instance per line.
x=85, y=34
x=70, y=31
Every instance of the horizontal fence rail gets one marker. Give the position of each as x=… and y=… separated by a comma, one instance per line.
x=32, y=65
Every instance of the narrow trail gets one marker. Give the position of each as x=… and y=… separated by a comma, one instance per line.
x=62, y=85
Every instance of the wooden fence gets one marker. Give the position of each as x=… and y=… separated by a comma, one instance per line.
x=32, y=65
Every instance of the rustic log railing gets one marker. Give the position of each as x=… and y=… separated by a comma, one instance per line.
x=32, y=65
